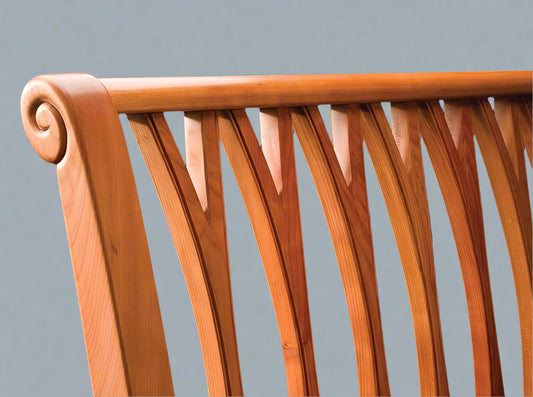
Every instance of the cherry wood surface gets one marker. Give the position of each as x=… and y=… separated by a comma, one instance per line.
x=72, y=121
x=273, y=209
x=198, y=230
x=76, y=126
x=348, y=220
x=160, y=94
x=449, y=141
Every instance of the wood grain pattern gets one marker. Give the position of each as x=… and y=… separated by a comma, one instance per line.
x=161, y=94
x=118, y=302
x=406, y=132
x=72, y=121
x=514, y=119
x=405, y=129
x=346, y=212
x=526, y=130
x=411, y=236
x=515, y=122
x=268, y=186
x=452, y=154
x=505, y=186
x=200, y=238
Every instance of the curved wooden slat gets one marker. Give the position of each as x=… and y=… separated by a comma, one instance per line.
x=514, y=120
x=512, y=117
x=526, y=130
x=200, y=239
x=405, y=129
x=409, y=228
x=348, y=145
x=274, y=213
x=77, y=127
x=346, y=212
x=203, y=163
x=451, y=150
x=505, y=186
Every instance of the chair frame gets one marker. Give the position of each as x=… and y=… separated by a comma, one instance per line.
x=72, y=121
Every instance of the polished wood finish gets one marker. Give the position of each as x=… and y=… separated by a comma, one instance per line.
x=72, y=121
x=521, y=119
x=197, y=224
x=450, y=144
x=414, y=246
x=161, y=94
x=406, y=132
x=268, y=187
x=116, y=291
x=515, y=215
x=513, y=117
x=347, y=215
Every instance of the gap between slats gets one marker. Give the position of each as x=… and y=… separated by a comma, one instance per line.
x=416, y=182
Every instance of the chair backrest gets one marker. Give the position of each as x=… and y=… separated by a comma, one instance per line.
x=72, y=121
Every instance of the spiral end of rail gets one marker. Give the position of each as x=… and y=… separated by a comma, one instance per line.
x=43, y=122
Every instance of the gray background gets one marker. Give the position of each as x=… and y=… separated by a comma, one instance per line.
x=41, y=343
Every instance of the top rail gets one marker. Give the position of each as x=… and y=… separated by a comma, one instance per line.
x=160, y=94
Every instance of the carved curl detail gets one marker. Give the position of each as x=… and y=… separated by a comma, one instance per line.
x=43, y=122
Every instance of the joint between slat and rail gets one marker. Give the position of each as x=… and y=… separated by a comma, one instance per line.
x=264, y=175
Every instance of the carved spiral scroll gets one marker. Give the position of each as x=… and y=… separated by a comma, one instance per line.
x=43, y=123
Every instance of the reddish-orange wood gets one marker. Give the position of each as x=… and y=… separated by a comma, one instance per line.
x=347, y=136
x=408, y=225
x=526, y=132
x=161, y=94
x=200, y=240
x=347, y=216
x=452, y=153
x=406, y=133
x=513, y=120
x=72, y=121
x=274, y=213
x=76, y=126
x=505, y=186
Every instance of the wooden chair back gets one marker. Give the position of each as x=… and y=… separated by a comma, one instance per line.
x=72, y=121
